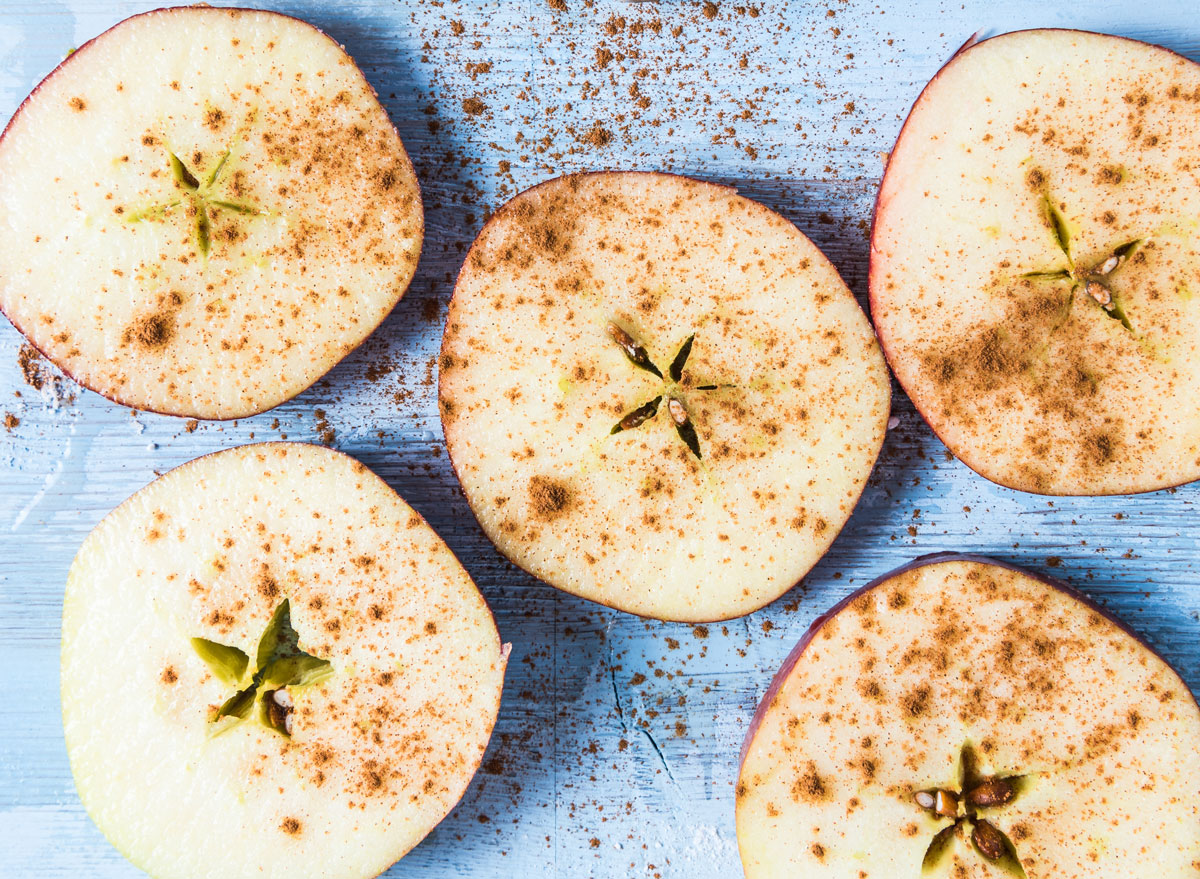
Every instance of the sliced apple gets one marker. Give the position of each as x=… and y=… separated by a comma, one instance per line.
x=204, y=211
x=1035, y=265
x=272, y=666
x=963, y=718
x=658, y=394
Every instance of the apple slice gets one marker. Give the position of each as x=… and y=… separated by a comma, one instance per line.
x=658, y=394
x=1035, y=265
x=962, y=718
x=272, y=666
x=204, y=211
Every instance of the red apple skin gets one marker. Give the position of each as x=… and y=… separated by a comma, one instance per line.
x=872, y=265
x=922, y=561
x=115, y=398
x=505, y=208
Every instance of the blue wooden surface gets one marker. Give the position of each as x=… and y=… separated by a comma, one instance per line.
x=590, y=773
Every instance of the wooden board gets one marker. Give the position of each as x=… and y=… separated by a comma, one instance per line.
x=590, y=773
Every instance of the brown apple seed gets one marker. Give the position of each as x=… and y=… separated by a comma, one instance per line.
x=946, y=804
x=635, y=352
x=993, y=792
x=988, y=840
x=279, y=707
x=1099, y=292
x=683, y=426
x=638, y=416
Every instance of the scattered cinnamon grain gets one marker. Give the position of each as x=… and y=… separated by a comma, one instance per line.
x=597, y=136
x=32, y=367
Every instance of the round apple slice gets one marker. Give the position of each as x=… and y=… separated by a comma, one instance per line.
x=658, y=394
x=962, y=718
x=1035, y=267
x=272, y=666
x=204, y=211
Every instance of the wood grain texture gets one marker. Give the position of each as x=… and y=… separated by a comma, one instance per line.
x=590, y=773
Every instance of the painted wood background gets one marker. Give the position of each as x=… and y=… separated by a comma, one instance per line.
x=594, y=771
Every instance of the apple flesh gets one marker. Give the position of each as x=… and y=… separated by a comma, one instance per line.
x=658, y=394
x=960, y=717
x=272, y=666
x=1035, y=269
x=205, y=210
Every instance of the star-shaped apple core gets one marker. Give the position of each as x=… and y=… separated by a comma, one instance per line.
x=1094, y=279
x=198, y=200
x=974, y=796
x=279, y=664
x=672, y=390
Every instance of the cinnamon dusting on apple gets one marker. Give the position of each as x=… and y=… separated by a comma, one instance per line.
x=809, y=785
x=286, y=167
x=153, y=331
x=612, y=313
x=550, y=497
x=1008, y=659
x=1045, y=353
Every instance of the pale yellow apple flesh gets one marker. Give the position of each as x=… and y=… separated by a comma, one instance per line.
x=658, y=394
x=949, y=673
x=1035, y=265
x=203, y=211
x=345, y=753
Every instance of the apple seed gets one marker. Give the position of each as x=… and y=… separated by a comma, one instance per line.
x=683, y=426
x=278, y=705
x=993, y=792
x=678, y=413
x=946, y=804
x=1108, y=265
x=635, y=352
x=1100, y=293
x=638, y=416
x=988, y=840
x=924, y=799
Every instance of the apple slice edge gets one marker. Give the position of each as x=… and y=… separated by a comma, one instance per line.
x=935, y=558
